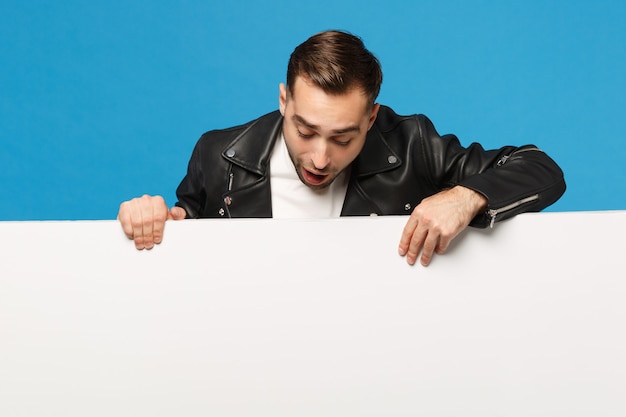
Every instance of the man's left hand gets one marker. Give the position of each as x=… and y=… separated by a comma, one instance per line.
x=437, y=220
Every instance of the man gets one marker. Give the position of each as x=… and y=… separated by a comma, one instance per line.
x=352, y=156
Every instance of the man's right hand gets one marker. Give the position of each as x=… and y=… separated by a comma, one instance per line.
x=143, y=219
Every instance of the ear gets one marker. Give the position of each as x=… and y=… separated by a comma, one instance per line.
x=373, y=115
x=282, y=98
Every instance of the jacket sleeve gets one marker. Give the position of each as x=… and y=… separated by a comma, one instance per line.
x=513, y=179
x=191, y=193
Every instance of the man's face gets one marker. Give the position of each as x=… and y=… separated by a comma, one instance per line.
x=323, y=133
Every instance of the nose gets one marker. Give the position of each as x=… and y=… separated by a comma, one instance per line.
x=319, y=156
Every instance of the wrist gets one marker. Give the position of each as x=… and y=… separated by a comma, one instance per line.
x=477, y=202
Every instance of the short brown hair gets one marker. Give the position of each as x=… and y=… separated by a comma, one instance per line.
x=336, y=61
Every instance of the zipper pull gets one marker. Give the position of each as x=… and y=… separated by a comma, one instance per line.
x=492, y=215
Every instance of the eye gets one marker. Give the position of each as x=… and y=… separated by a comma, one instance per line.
x=303, y=135
x=341, y=142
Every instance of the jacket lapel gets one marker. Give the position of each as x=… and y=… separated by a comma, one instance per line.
x=249, y=193
x=376, y=155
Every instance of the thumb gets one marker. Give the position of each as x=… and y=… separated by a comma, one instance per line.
x=177, y=213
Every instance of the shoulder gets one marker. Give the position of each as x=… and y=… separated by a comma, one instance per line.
x=225, y=135
x=389, y=122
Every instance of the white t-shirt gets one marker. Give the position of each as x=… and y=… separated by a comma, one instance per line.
x=291, y=199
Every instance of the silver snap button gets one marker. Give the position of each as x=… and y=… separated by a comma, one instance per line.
x=221, y=212
x=407, y=206
x=392, y=159
x=230, y=153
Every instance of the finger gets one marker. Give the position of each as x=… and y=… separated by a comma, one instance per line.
x=443, y=244
x=124, y=218
x=147, y=215
x=429, y=248
x=415, y=246
x=407, y=235
x=136, y=221
x=160, y=213
x=177, y=213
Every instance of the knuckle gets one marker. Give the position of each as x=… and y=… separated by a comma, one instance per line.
x=136, y=223
x=160, y=217
x=436, y=228
x=418, y=211
x=428, y=220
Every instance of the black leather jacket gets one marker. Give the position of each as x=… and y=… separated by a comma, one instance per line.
x=403, y=161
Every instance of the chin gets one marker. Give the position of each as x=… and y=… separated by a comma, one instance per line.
x=318, y=187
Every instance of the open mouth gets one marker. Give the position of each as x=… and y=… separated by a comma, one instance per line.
x=313, y=179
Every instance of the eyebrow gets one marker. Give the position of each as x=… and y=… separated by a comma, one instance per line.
x=300, y=120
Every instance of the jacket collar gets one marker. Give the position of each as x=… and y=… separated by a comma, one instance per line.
x=252, y=148
x=376, y=155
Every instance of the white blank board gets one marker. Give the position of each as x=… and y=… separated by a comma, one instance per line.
x=313, y=318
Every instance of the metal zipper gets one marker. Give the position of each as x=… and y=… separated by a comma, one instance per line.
x=492, y=213
x=502, y=160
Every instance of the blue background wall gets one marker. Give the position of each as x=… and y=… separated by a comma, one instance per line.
x=103, y=101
